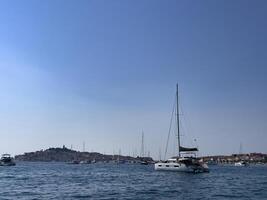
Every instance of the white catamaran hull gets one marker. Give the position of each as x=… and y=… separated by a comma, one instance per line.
x=173, y=167
x=241, y=164
x=181, y=166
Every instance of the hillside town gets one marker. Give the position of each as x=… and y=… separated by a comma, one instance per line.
x=68, y=155
x=253, y=158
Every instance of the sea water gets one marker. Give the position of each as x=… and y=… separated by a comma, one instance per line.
x=129, y=181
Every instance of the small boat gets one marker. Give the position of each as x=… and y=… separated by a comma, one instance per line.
x=144, y=162
x=186, y=161
x=85, y=162
x=93, y=161
x=7, y=160
x=74, y=162
x=212, y=162
x=241, y=164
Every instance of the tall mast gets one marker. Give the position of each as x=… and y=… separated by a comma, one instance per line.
x=177, y=113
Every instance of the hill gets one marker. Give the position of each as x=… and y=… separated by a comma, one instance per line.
x=67, y=155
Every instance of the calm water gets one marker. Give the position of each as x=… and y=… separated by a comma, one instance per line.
x=110, y=181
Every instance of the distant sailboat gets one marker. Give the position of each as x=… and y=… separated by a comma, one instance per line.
x=143, y=161
x=182, y=163
x=241, y=163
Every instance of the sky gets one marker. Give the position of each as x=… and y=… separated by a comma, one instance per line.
x=101, y=72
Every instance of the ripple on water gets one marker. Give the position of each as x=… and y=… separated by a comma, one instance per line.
x=107, y=181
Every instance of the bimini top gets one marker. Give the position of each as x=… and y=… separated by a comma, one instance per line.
x=184, y=149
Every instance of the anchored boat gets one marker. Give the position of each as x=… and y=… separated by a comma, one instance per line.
x=7, y=160
x=241, y=163
x=186, y=161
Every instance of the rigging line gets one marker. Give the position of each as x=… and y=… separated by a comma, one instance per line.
x=167, y=144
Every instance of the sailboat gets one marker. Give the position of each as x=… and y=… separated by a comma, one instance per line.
x=241, y=162
x=186, y=161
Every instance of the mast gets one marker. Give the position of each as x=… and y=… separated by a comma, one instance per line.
x=177, y=113
x=240, y=149
x=142, y=146
x=83, y=146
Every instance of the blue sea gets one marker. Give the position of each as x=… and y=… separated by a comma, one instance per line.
x=129, y=181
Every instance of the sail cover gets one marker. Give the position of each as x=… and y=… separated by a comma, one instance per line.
x=187, y=149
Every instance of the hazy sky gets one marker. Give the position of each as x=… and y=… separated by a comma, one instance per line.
x=104, y=71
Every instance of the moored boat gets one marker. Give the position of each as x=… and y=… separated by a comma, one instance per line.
x=144, y=162
x=186, y=161
x=74, y=162
x=241, y=163
x=7, y=160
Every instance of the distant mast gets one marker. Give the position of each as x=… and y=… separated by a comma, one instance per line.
x=142, y=146
x=240, y=149
x=83, y=146
x=177, y=117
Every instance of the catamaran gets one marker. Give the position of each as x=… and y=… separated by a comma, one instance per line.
x=186, y=161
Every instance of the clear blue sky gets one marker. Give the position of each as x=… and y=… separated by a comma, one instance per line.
x=103, y=71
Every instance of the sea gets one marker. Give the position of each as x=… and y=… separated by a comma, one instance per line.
x=28, y=180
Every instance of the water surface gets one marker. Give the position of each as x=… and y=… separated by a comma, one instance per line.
x=111, y=181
